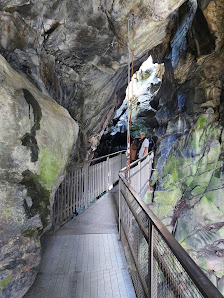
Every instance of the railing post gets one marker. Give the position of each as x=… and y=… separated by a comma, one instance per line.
x=108, y=174
x=149, y=166
x=139, y=178
x=150, y=261
x=119, y=209
x=86, y=187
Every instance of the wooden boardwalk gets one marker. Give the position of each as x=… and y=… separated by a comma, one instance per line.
x=84, y=258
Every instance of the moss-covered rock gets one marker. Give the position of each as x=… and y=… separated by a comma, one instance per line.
x=36, y=138
x=189, y=197
x=51, y=164
x=5, y=282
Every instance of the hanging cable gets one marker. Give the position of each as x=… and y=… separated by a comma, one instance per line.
x=130, y=98
x=128, y=110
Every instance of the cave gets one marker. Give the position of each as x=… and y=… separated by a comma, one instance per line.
x=63, y=80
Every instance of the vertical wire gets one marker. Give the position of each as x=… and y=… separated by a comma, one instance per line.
x=128, y=128
x=130, y=60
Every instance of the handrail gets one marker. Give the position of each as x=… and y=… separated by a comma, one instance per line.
x=205, y=286
x=136, y=161
x=81, y=187
x=105, y=156
x=202, y=283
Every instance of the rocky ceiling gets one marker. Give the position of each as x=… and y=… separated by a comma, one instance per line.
x=76, y=51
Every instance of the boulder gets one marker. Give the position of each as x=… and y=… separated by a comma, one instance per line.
x=36, y=138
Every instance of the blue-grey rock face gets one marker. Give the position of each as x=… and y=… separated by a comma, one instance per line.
x=189, y=193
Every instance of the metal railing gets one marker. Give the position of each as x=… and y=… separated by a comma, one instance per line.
x=158, y=265
x=140, y=173
x=81, y=187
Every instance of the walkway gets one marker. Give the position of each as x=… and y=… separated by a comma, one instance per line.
x=84, y=258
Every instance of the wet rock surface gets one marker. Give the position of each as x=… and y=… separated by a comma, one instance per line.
x=36, y=138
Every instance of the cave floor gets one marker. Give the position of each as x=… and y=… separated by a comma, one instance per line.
x=84, y=258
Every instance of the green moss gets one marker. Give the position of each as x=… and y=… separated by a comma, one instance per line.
x=184, y=245
x=188, y=181
x=30, y=233
x=198, y=190
x=204, y=166
x=201, y=121
x=194, y=169
x=178, y=167
x=209, y=211
x=221, y=233
x=5, y=282
x=222, y=137
x=154, y=178
x=174, y=176
x=165, y=202
x=148, y=197
x=6, y=213
x=51, y=164
x=40, y=197
x=171, y=164
x=196, y=141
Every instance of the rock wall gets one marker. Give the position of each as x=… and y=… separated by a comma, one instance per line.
x=77, y=52
x=36, y=138
x=189, y=193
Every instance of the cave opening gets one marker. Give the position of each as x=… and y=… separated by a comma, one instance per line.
x=144, y=86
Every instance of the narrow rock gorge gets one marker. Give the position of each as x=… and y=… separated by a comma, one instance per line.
x=63, y=75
